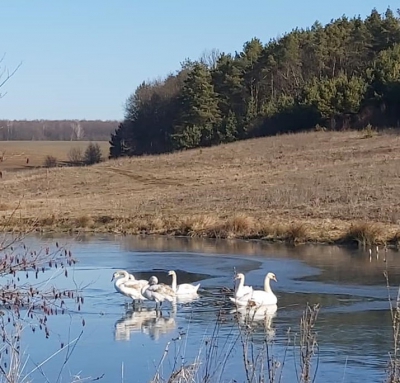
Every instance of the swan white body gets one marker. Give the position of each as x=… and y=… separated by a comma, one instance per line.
x=258, y=297
x=240, y=288
x=127, y=285
x=158, y=292
x=183, y=288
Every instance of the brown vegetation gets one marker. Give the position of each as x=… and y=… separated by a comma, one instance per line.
x=16, y=153
x=319, y=186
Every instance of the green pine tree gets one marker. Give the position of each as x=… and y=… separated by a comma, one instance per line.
x=199, y=111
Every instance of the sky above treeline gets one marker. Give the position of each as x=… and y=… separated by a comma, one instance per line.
x=82, y=59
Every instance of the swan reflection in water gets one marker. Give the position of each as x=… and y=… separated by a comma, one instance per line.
x=186, y=298
x=146, y=321
x=149, y=321
x=256, y=316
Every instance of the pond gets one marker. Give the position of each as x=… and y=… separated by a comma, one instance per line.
x=121, y=343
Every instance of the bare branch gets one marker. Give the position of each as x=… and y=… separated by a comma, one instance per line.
x=5, y=72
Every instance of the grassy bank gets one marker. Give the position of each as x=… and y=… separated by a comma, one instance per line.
x=319, y=186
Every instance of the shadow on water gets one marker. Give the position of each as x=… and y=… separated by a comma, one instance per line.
x=353, y=327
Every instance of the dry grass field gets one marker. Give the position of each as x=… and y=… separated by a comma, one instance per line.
x=16, y=152
x=317, y=186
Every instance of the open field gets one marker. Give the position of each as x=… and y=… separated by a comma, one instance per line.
x=16, y=152
x=318, y=186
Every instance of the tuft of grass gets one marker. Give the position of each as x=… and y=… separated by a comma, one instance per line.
x=104, y=219
x=83, y=221
x=293, y=232
x=369, y=131
x=365, y=234
x=48, y=221
x=239, y=225
x=297, y=233
x=198, y=225
x=156, y=225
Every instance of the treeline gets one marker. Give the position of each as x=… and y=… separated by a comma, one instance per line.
x=56, y=130
x=341, y=75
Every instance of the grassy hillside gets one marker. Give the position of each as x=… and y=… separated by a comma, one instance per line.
x=318, y=186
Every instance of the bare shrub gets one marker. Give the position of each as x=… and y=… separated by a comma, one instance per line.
x=28, y=301
x=50, y=162
x=75, y=156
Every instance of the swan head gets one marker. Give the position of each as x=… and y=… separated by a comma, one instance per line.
x=272, y=276
x=117, y=274
x=239, y=276
x=153, y=280
x=171, y=272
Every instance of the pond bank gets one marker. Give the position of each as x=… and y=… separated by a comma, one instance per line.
x=239, y=226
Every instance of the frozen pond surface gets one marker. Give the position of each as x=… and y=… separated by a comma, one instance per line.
x=125, y=345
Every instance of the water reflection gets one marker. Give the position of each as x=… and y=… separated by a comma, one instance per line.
x=257, y=319
x=338, y=263
x=187, y=298
x=146, y=321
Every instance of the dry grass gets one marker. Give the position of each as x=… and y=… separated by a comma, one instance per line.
x=16, y=152
x=317, y=186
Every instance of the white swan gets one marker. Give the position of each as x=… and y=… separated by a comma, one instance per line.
x=258, y=297
x=240, y=288
x=183, y=288
x=158, y=292
x=127, y=285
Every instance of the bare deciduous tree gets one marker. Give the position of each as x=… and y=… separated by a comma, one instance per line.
x=210, y=57
x=77, y=131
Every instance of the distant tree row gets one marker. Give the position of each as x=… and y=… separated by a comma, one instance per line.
x=56, y=130
x=344, y=74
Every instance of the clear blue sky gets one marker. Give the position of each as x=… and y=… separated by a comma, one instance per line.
x=83, y=58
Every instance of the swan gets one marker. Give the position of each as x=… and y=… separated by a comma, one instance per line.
x=184, y=288
x=127, y=285
x=240, y=288
x=258, y=297
x=158, y=292
x=126, y=277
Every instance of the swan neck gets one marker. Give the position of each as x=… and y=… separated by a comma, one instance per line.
x=240, y=284
x=121, y=278
x=173, y=281
x=267, y=286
